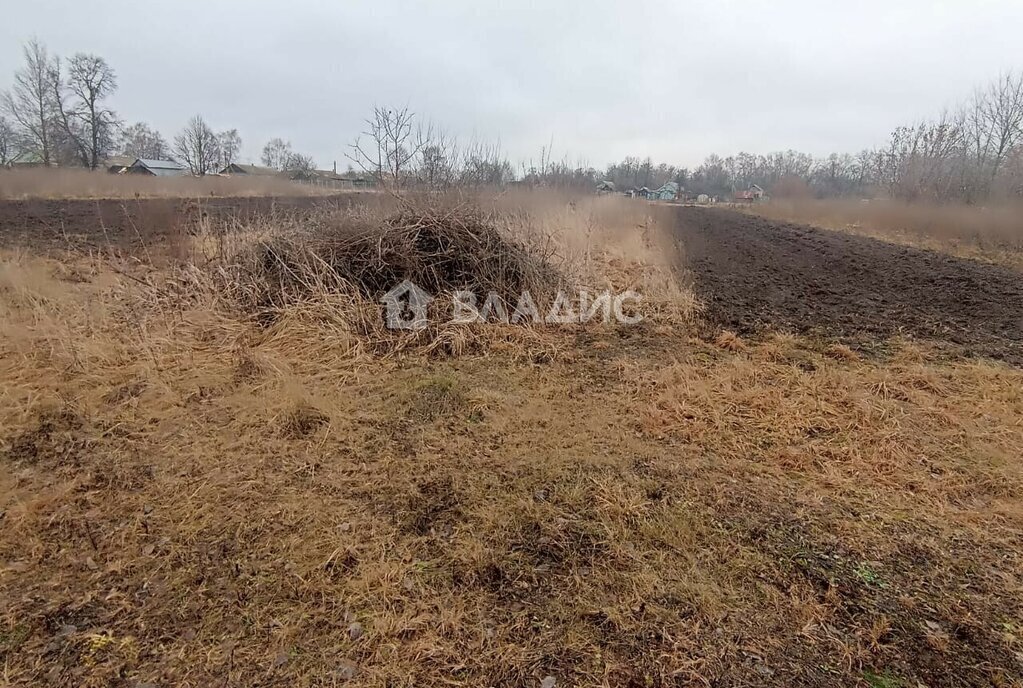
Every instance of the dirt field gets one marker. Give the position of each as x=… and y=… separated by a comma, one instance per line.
x=46, y=224
x=194, y=496
x=755, y=274
x=991, y=234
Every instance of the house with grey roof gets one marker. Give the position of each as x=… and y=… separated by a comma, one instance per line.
x=26, y=160
x=157, y=168
x=116, y=164
x=251, y=170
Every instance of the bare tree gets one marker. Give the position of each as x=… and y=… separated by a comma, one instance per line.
x=139, y=141
x=277, y=154
x=197, y=147
x=230, y=145
x=435, y=167
x=69, y=140
x=482, y=164
x=299, y=162
x=1003, y=114
x=30, y=102
x=438, y=153
x=91, y=80
x=387, y=149
x=6, y=141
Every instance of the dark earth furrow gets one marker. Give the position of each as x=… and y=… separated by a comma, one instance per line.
x=46, y=224
x=755, y=274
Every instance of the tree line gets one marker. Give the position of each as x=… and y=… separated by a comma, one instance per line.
x=970, y=153
x=57, y=110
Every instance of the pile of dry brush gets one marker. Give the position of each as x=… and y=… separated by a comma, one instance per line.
x=361, y=256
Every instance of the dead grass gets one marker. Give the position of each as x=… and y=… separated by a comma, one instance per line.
x=442, y=251
x=193, y=498
x=72, y=184
x=989, y=233
x=330, y=269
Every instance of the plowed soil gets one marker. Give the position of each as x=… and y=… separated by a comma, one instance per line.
x=125, y=223
x=755, y=274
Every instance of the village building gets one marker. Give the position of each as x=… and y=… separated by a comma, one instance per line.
x=250, y=170
x=330, y=179
x=25, y=160
x=157, y=168
x=118, y=164
x=751, y=195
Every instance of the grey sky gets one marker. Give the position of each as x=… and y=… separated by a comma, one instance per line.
x=670, y=79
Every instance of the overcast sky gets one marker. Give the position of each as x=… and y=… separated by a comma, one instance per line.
x=672, y=79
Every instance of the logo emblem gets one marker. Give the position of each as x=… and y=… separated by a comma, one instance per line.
x=406, y=307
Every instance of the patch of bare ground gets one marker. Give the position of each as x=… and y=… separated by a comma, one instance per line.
x=192, y=497
x=137, y=224
x=989, y=233
x=70, y=184
x=756, y=274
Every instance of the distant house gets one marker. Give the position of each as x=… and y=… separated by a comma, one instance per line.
x=668, y=192
x=118, y=164
x=25, y=160
x=332, y=180
x=327, y=178
x=250, y=170
x=751, y=195
x=606, y=187
x=363, y=181
x=157, y=168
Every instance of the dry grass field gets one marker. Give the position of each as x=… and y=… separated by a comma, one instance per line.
x=990, y=233
x=220, y=469
x=79, y=184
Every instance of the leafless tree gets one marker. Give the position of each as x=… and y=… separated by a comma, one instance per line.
x=1002, y=116
x=30, y=102
x=69, y=138
x=139, y=141
x=86, y=129
x=388, y=148
x=482, y=164
x=435, y=169
x=6, y=141
x=91, y=81
x=297, y=162
x=277, y=154
x=197, y=146
x=438, y=157
x=230, y=143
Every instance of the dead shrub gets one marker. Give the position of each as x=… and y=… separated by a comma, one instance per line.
x=331, y=269
x=324, y=272
x=441, y=251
